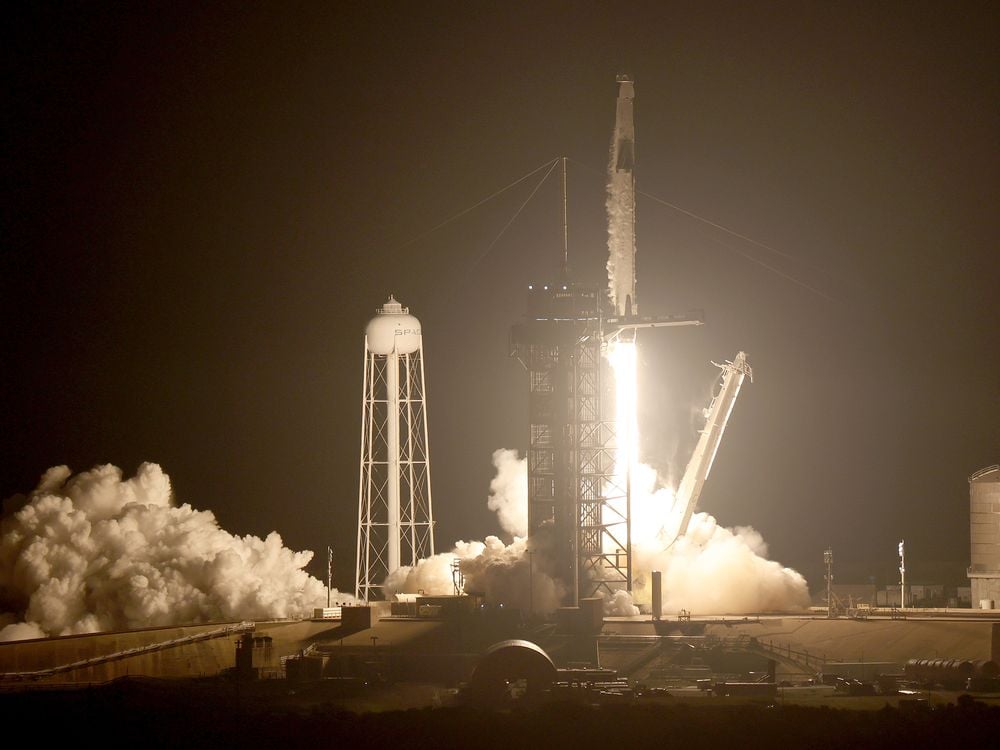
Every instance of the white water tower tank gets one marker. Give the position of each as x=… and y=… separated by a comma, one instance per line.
x=393, y=329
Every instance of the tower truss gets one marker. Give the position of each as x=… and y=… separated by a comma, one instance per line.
x=576, y=508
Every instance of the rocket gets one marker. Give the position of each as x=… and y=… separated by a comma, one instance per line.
x=621, y=203
x=624, y=148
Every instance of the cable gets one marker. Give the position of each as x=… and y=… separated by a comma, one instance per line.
x=487, y=199
x=752, y=241
x=730, y=231
x=516, y=214
x=769, y=267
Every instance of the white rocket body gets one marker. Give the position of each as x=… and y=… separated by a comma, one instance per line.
x=621, y=204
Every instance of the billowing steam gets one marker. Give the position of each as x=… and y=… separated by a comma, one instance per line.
x=711, y=570
x=509, y=492
x=505, y=573
x=98, y=553
x=620, y=206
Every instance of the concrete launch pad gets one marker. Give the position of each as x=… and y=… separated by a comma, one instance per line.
x=444, y=648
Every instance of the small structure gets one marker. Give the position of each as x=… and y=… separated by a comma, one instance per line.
x=253, y=655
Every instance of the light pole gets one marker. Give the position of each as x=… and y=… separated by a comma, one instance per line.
x=531, y=588
x=329, y=574
x=828, y=559
x=902, y=577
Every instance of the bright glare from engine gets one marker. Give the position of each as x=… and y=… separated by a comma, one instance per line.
x=622, y=356
x=650, y=507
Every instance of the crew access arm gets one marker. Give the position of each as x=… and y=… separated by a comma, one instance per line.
x=717, y=414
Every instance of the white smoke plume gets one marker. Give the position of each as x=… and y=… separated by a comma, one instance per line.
x=716, y=570
x=503, y=573
x=509, y=492
x=97, y=552
x=620, y=206
x=709, y=570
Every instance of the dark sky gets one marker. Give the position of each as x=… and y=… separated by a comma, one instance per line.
x=202, y=208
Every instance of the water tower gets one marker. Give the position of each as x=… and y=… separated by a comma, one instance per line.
x=395, y=522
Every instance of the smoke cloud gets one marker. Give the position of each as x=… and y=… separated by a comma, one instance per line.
x=711, y=570
x=716, y=570
x=620, y=206
x=503, y=573
x=508, y=574
x=96, y=552
x=509, y=492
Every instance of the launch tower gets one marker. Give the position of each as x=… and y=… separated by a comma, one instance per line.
x=579, y=506
x=395, y=522
x=571, y=483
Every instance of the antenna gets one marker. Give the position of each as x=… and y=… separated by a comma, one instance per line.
x=565, y=264
x=329, y=573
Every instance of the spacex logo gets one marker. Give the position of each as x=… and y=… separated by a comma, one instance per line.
x=407, y=331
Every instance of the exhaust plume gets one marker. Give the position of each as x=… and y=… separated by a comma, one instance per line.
x=503, y=573
x=96, y=552
x=710, y=570
x=620, y=206
x=514, y=574
x=509, y=492
x=621, y=202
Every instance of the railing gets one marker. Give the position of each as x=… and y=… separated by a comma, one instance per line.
x=804, y=660
x=228, y=630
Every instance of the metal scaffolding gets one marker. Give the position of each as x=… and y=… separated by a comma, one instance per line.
x=575, y=505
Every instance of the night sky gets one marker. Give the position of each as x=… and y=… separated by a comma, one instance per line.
x=203, y=207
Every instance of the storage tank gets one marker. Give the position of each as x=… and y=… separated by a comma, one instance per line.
x=393, y=329
x=395, y=522
x=984, y=536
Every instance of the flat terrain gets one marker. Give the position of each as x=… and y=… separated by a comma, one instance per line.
x=157, y=713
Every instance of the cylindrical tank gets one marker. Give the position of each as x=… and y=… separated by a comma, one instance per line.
x=984, y=536
x=985, y=668
x=393, y=329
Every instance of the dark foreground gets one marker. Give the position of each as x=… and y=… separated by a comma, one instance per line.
x=153, y=714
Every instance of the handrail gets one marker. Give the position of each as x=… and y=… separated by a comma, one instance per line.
x=243, y=627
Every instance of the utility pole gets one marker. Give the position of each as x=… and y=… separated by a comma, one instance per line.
x=902, y=577
x=828, y=559
x=531, y=588
x=329, y=574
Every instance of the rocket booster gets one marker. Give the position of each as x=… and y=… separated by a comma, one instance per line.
x=621, y=204
x=624, y=155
